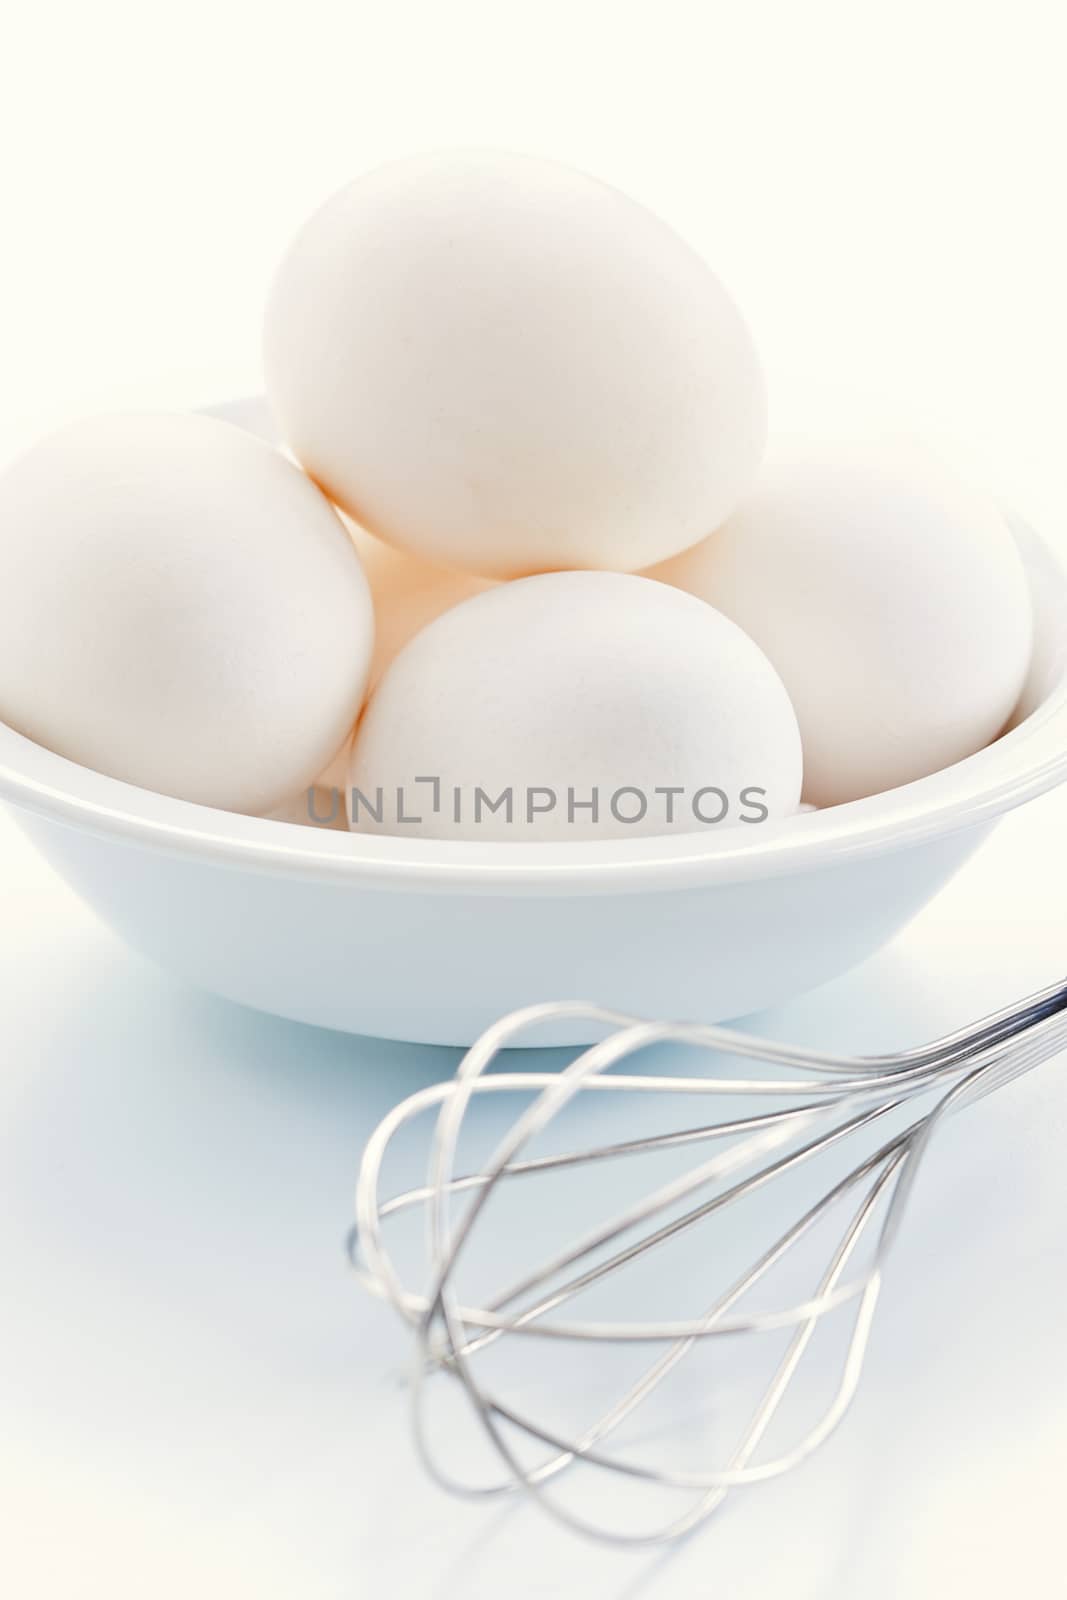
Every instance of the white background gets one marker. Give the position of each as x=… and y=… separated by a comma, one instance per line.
x=194, y=1395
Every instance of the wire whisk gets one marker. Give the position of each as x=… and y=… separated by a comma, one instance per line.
x=814, y=1103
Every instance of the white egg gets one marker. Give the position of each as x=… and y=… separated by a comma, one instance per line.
x=407, y=594
x=318, y=806
x=506, y=366
x=892, y=599
x=181, y=608
x=547, y=695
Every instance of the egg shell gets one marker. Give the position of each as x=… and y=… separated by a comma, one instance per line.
x=506, y=366
x=181, y=608
x=573, y=682
x=891, y=598
x=407, y=594
x=320, y=806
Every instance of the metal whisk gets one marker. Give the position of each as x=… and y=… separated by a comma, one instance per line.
x=819, y=1103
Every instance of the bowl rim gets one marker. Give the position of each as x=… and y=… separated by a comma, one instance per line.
x=1026, y=761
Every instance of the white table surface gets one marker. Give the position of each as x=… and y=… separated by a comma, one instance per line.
x=198, y=1400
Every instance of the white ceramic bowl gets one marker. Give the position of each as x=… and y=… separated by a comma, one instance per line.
x=427, y=940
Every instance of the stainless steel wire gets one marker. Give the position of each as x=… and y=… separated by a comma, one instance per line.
x=823, y=1103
